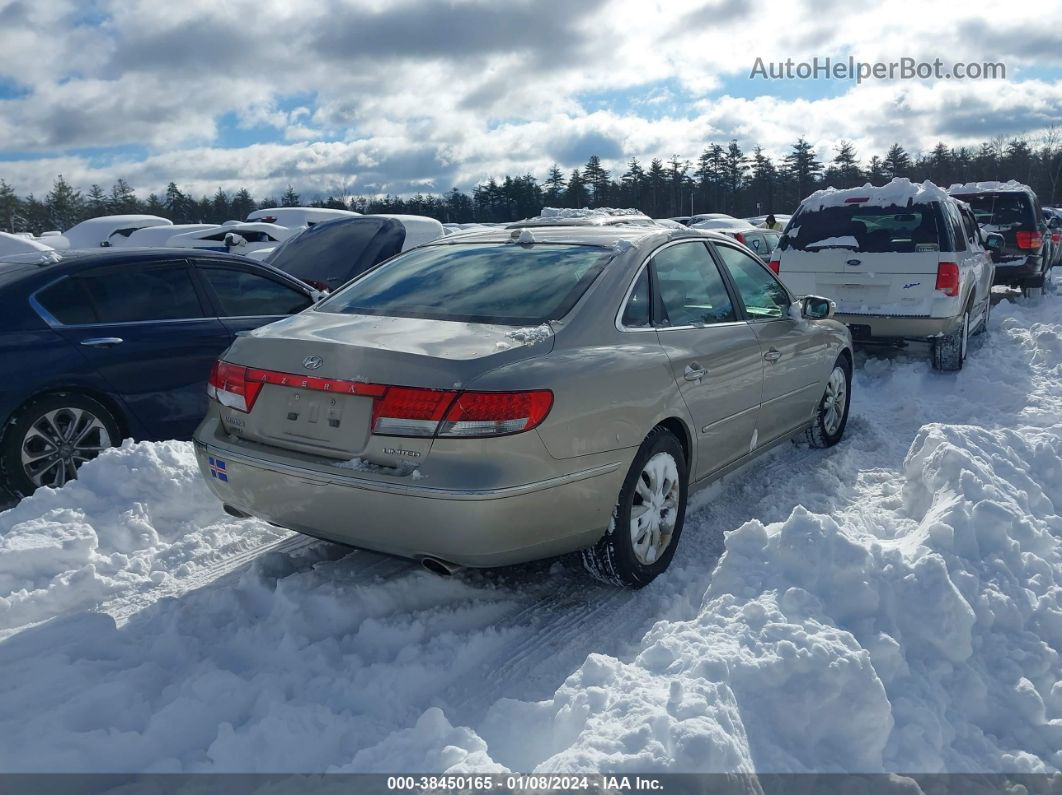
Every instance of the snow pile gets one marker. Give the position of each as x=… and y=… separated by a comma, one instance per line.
x=1010, y=186
x=530, y=335
x=138, y=517
x=931, y=642
x=586, y=212
x=900, y=192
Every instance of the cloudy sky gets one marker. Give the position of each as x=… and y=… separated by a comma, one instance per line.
x=366, y=96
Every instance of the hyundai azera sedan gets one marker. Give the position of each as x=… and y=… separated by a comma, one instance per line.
x=519, y=393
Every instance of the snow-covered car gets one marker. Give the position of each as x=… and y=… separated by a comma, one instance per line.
x=903, y=262
x=233, y=238
x=156, y=236
x=20, y=244
x=725, y=222
x=598, y=216
x=547, y=402
x=1012, y=210
x=294, y=217
x=696, y=219
x=104, y=230
x=328, y=254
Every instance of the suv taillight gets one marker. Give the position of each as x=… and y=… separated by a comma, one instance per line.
x=775, y=265
x=948, y=278
x=740, y=238
x=397, y=410
x=1030, y=240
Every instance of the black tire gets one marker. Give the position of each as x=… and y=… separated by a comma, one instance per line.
x=825, y=430
x=949, y=352
x=35, y=438
x=614, y=559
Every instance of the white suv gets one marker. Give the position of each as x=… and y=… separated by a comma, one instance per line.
x=903, y=262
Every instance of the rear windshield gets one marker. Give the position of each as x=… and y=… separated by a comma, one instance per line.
x=334, y=251
x=476, y=283
x=868, y=229
x=1001, y=209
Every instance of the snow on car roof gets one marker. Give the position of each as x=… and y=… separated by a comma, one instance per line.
x=598, y=216
x=1010, y=186
x=899, y=192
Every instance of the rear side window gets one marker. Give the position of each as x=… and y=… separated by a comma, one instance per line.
x=867, y=229
x=244, y=294
x=127, y=295
x=636, y=314
x=67, y=302
x=1002, y=210
x=335, y=251
x=476, y=283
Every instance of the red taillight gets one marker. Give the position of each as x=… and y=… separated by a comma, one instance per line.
x=397, y=410
x=948, y=278
x=775, y=265
x=740, y=238
x=496, y=413
x=410, y=412
x=229, y=386
x=1055, y=237
x=1027, y=239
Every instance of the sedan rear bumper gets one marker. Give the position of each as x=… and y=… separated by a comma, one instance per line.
x=469, y=527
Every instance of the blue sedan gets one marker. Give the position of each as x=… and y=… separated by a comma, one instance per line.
x=97, y=346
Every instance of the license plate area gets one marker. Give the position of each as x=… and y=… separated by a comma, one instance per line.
x=319, y=422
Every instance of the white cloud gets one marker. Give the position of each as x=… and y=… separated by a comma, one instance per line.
x=407, y=95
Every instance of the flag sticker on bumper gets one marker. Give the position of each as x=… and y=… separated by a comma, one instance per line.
x=217, y=469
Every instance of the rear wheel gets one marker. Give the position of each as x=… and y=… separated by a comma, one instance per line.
x=50, y=437
x=648, y=517
x=830, y=420
x=949, y=351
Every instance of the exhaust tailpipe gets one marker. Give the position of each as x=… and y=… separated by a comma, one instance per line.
x=235, y=512
x=442, y=568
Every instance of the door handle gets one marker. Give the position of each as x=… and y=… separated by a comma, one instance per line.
x=102, y=342
x=772, y=355
x=694, y=372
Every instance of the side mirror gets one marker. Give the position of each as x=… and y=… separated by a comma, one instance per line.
x=1055, y=223
x=995, y=242
x=814, y=307
x=233, y=240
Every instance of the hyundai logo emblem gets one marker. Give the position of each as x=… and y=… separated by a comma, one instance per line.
x=312, y=362
x=855, y=262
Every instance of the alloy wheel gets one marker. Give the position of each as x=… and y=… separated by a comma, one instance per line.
x=58, y=442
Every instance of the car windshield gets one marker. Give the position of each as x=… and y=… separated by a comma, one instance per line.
x=869, y=229
x=476, y=283
x=1000, y=209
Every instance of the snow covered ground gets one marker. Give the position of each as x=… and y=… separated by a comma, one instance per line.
x=894, y=603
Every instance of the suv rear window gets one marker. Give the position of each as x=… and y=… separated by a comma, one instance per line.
x=1001, y=210
x=868, y=229
x=475, y=283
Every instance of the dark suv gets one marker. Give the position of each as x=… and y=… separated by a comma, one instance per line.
x=1013, y=211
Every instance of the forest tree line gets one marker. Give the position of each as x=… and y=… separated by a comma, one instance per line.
x=723, y=179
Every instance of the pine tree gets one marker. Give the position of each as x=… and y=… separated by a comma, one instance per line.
x=897, y=162
x=123, y=199
x=633, y=184
x=64, y=204
x=939, y=164
x=221, y=207
x=656, y=179
x=764, y=181
x=96, y=202
x=803, y=168
x=290, y=198
x=735, y=166
x=242, y=204
x=876, y=172
x=11, y=218
x=575, y=195
x=554, y=183
x=844, y=171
